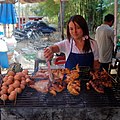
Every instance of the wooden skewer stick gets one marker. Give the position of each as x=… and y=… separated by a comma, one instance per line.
x=4, y=102
x=115, y=81
x=15, y=99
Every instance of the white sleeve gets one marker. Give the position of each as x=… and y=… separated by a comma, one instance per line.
x=95, y=49
x=61, y=45
x=64, y=47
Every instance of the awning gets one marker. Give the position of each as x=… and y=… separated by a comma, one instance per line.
x=8, y=1
x=31, y=1
x=21, y=1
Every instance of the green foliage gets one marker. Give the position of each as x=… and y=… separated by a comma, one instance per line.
x=92, y=10
x=47, y=9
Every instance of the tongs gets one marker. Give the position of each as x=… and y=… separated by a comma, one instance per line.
x=51, y=78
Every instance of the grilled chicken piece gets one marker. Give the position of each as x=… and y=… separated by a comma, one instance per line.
x=98, y=87
x=41, y=75
x=57, y=86
x=99, y=81
x=74, y=87
x=41, y=86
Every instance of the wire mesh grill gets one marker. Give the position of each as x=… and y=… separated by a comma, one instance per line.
x=31, y=98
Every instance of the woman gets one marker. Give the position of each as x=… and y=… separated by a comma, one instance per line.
x=79, y=48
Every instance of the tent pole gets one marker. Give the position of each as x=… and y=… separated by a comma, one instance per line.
x=62, y=18
x=115, y=21
x=19, y=14
x=13, y=28
x=4, y=26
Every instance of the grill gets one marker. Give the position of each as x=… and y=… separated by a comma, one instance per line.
x=31, y=98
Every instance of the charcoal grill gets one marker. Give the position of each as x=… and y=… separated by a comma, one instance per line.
x=31, y=98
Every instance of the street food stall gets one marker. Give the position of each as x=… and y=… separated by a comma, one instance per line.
x=73, y=95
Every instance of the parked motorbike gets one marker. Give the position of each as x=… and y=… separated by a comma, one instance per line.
x=33, y=30
x=41, y=27
x=20, y=35
x=25, y=34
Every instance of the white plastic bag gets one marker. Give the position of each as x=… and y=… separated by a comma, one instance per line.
x=11, y=43
x=3, y=46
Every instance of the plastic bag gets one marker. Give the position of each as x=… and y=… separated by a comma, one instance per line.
x=11, y=43
x=3, y=46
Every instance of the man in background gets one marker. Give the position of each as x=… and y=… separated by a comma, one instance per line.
x=105, y=40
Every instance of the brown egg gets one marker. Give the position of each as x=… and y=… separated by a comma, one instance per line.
x=23, y=82
x=3, y=91
x=28, y=80
x=5, y=78
x=4, y=97
x=16, y=84
x=9, y=81
x=18, y=90
x=12, y=97
x=4, y=87
x=25, y=71
x=11, y=73
x=23, y=74
x=10, y=77
x=23, y=78
x=4, y=84
x=13, y=93
x=10, y=89
x=22, y=86
x=27, y=76
x=11, y=85
x=20, y=74
x=17, y=77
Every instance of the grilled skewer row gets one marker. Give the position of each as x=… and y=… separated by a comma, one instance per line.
x=99, y=81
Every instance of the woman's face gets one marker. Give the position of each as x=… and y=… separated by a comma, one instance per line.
x=75, y=31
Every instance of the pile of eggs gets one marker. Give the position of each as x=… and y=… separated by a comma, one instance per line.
x=13, y=84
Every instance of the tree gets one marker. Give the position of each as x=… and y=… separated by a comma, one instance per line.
x=92, y=10
x=48, y=9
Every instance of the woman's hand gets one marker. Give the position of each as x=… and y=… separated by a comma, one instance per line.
x=48, y=53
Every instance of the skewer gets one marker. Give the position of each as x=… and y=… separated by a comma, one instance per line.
x=4, y=102
x=15, y=99
x=115, y=81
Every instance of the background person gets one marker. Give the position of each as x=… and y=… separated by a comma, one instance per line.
x=105, y=40
x=78, y=48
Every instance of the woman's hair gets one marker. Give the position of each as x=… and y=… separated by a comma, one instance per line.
x=83, y=25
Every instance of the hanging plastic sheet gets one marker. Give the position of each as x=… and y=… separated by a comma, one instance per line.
x=7, y=14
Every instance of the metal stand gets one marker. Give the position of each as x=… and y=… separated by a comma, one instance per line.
x=36, y=64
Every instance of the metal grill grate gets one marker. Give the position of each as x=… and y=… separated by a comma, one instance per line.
x=31, y=98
